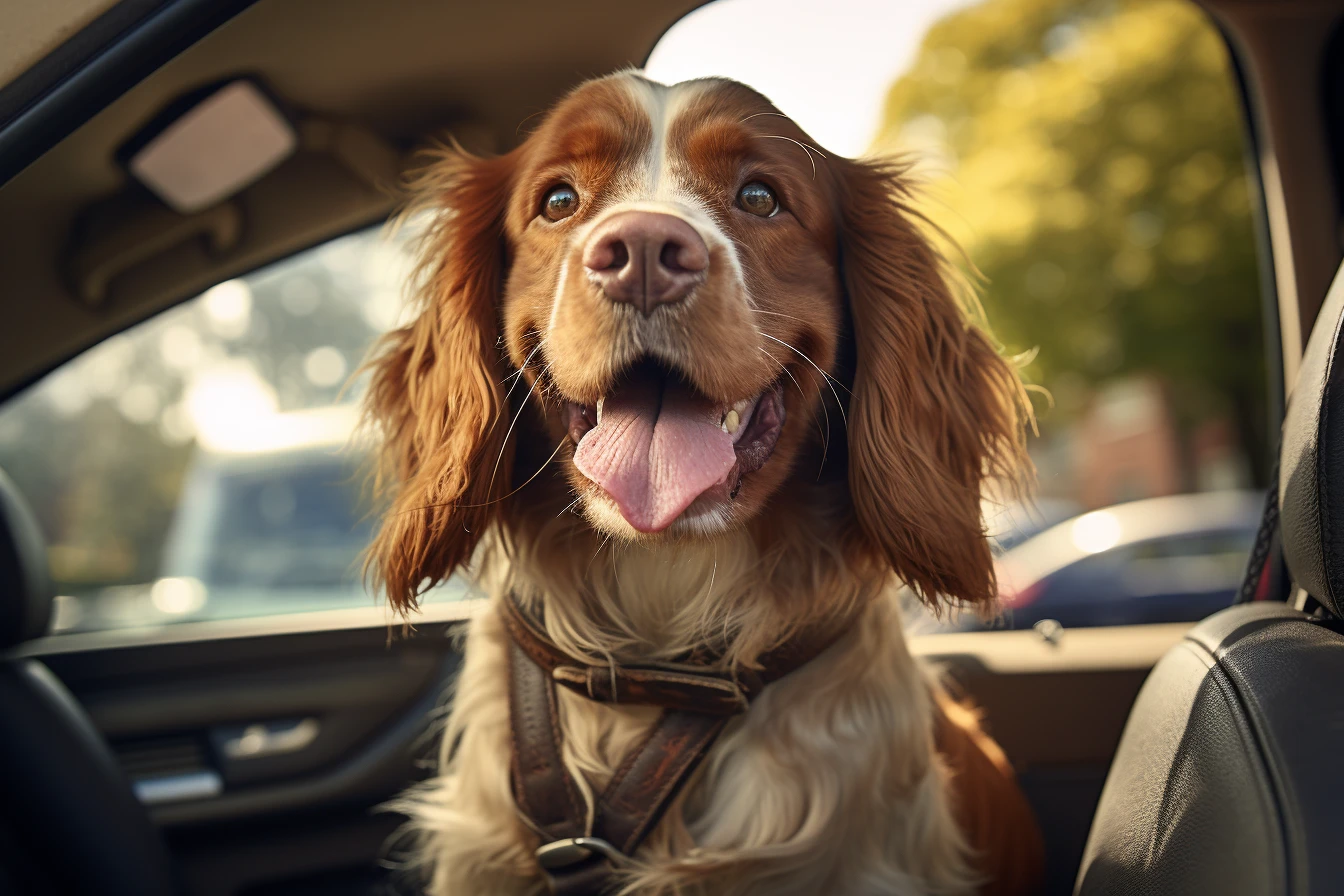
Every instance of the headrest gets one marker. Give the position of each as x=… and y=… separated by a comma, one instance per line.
x=25, y=588
x=1311, y=472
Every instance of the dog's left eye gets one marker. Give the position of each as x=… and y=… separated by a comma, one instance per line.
x=560, y=203
x=758, y=199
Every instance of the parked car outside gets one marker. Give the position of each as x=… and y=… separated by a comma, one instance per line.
x=1172, y=559
x=272, y=520
x=1008, y=525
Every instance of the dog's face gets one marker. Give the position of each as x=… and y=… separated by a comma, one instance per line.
x=673, y=286
x=677, y=292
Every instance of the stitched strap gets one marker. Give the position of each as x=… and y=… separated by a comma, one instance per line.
x=592, y=878
x=546, y=793
x=652, y=775
x=638, y=795
x=698, y=700
x=688, y=687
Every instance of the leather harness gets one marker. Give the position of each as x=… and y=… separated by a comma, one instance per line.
x=580, y=855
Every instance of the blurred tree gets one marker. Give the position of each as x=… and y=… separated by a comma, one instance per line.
x=1093, y=154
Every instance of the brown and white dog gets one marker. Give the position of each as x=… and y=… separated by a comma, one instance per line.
x=680, y=377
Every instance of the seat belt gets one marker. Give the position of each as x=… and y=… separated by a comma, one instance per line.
x=1266, y=560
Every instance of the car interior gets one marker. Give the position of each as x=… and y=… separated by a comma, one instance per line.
x=250, y=756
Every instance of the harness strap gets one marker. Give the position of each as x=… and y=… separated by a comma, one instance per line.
x=577, y=858
x=579, y=855
x=652, y=774
x=545, y=792
x=673, y=687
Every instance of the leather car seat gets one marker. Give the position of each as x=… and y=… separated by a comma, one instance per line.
x=1225, y=780
x=69, y=822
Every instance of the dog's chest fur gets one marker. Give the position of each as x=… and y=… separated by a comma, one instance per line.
x=828, y=783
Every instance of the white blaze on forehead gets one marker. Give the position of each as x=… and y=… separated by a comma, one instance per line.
x=663, y=105
x=655, y=185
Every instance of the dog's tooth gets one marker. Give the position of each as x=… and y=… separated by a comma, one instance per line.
x=732, y=421
x=599, y=409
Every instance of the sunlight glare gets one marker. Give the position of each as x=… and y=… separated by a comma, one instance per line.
x=1096, y=532
x=231, y=406
x=229, y=307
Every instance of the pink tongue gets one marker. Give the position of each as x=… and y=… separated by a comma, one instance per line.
x=655, y=450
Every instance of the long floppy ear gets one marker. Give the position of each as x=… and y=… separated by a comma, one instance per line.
x=935, y=412
x=435, y=395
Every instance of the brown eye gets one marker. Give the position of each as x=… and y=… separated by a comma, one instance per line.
x=560, y=203
x=758, y=199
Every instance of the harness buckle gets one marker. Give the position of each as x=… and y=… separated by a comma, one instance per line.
x=561, y=854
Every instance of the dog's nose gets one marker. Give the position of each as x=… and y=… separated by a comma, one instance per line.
x=646, y=259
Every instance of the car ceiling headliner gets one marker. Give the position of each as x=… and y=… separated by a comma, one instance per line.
x=403, y=69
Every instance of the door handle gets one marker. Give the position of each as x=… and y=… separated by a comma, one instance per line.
x=263, y=739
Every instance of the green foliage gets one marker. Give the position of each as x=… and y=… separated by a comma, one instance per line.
x=1093, y=168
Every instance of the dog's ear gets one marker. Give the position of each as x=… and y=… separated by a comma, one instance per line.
x=435, y=395
x=935, y=412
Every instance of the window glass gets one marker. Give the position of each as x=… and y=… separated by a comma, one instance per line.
x=203, y=464
x=1088, y=157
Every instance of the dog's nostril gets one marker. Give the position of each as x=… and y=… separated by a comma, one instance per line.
x=670, y=257
x=684, y=256
x=620, y=256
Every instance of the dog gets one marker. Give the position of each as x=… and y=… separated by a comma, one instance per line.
x=677, y=377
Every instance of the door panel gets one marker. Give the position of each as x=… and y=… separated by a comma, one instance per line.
x=265, y=754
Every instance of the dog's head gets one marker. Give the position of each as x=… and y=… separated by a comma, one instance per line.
x=674, y=297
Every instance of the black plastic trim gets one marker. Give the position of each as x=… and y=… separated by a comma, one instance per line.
x=39, y=79
x=95, y=67
x=1251, y=120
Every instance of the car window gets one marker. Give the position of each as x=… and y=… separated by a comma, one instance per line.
x=204, y=464
x=1088, y=157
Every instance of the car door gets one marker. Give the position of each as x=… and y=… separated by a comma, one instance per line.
x=211, y=614
x=264, y=711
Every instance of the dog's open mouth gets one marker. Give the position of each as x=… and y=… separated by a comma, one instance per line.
x=655, y=445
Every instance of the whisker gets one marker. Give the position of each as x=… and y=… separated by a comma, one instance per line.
x=569, y=507
x=825, y=377
x=518, y=130
x=757, y=114
x=805, y=147
x=709, y=592
x=780, y=314
x=504, y=445
x=519, y=372
x=599, y=550
x=826, y=435
x=543, y=466
x=828, y=377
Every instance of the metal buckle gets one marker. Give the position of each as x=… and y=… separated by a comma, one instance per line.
x=561, y=854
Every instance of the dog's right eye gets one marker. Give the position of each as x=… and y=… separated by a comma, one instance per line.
x=758, y=199
x=560, y=203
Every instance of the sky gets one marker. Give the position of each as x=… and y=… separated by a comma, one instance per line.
x=825, y=63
